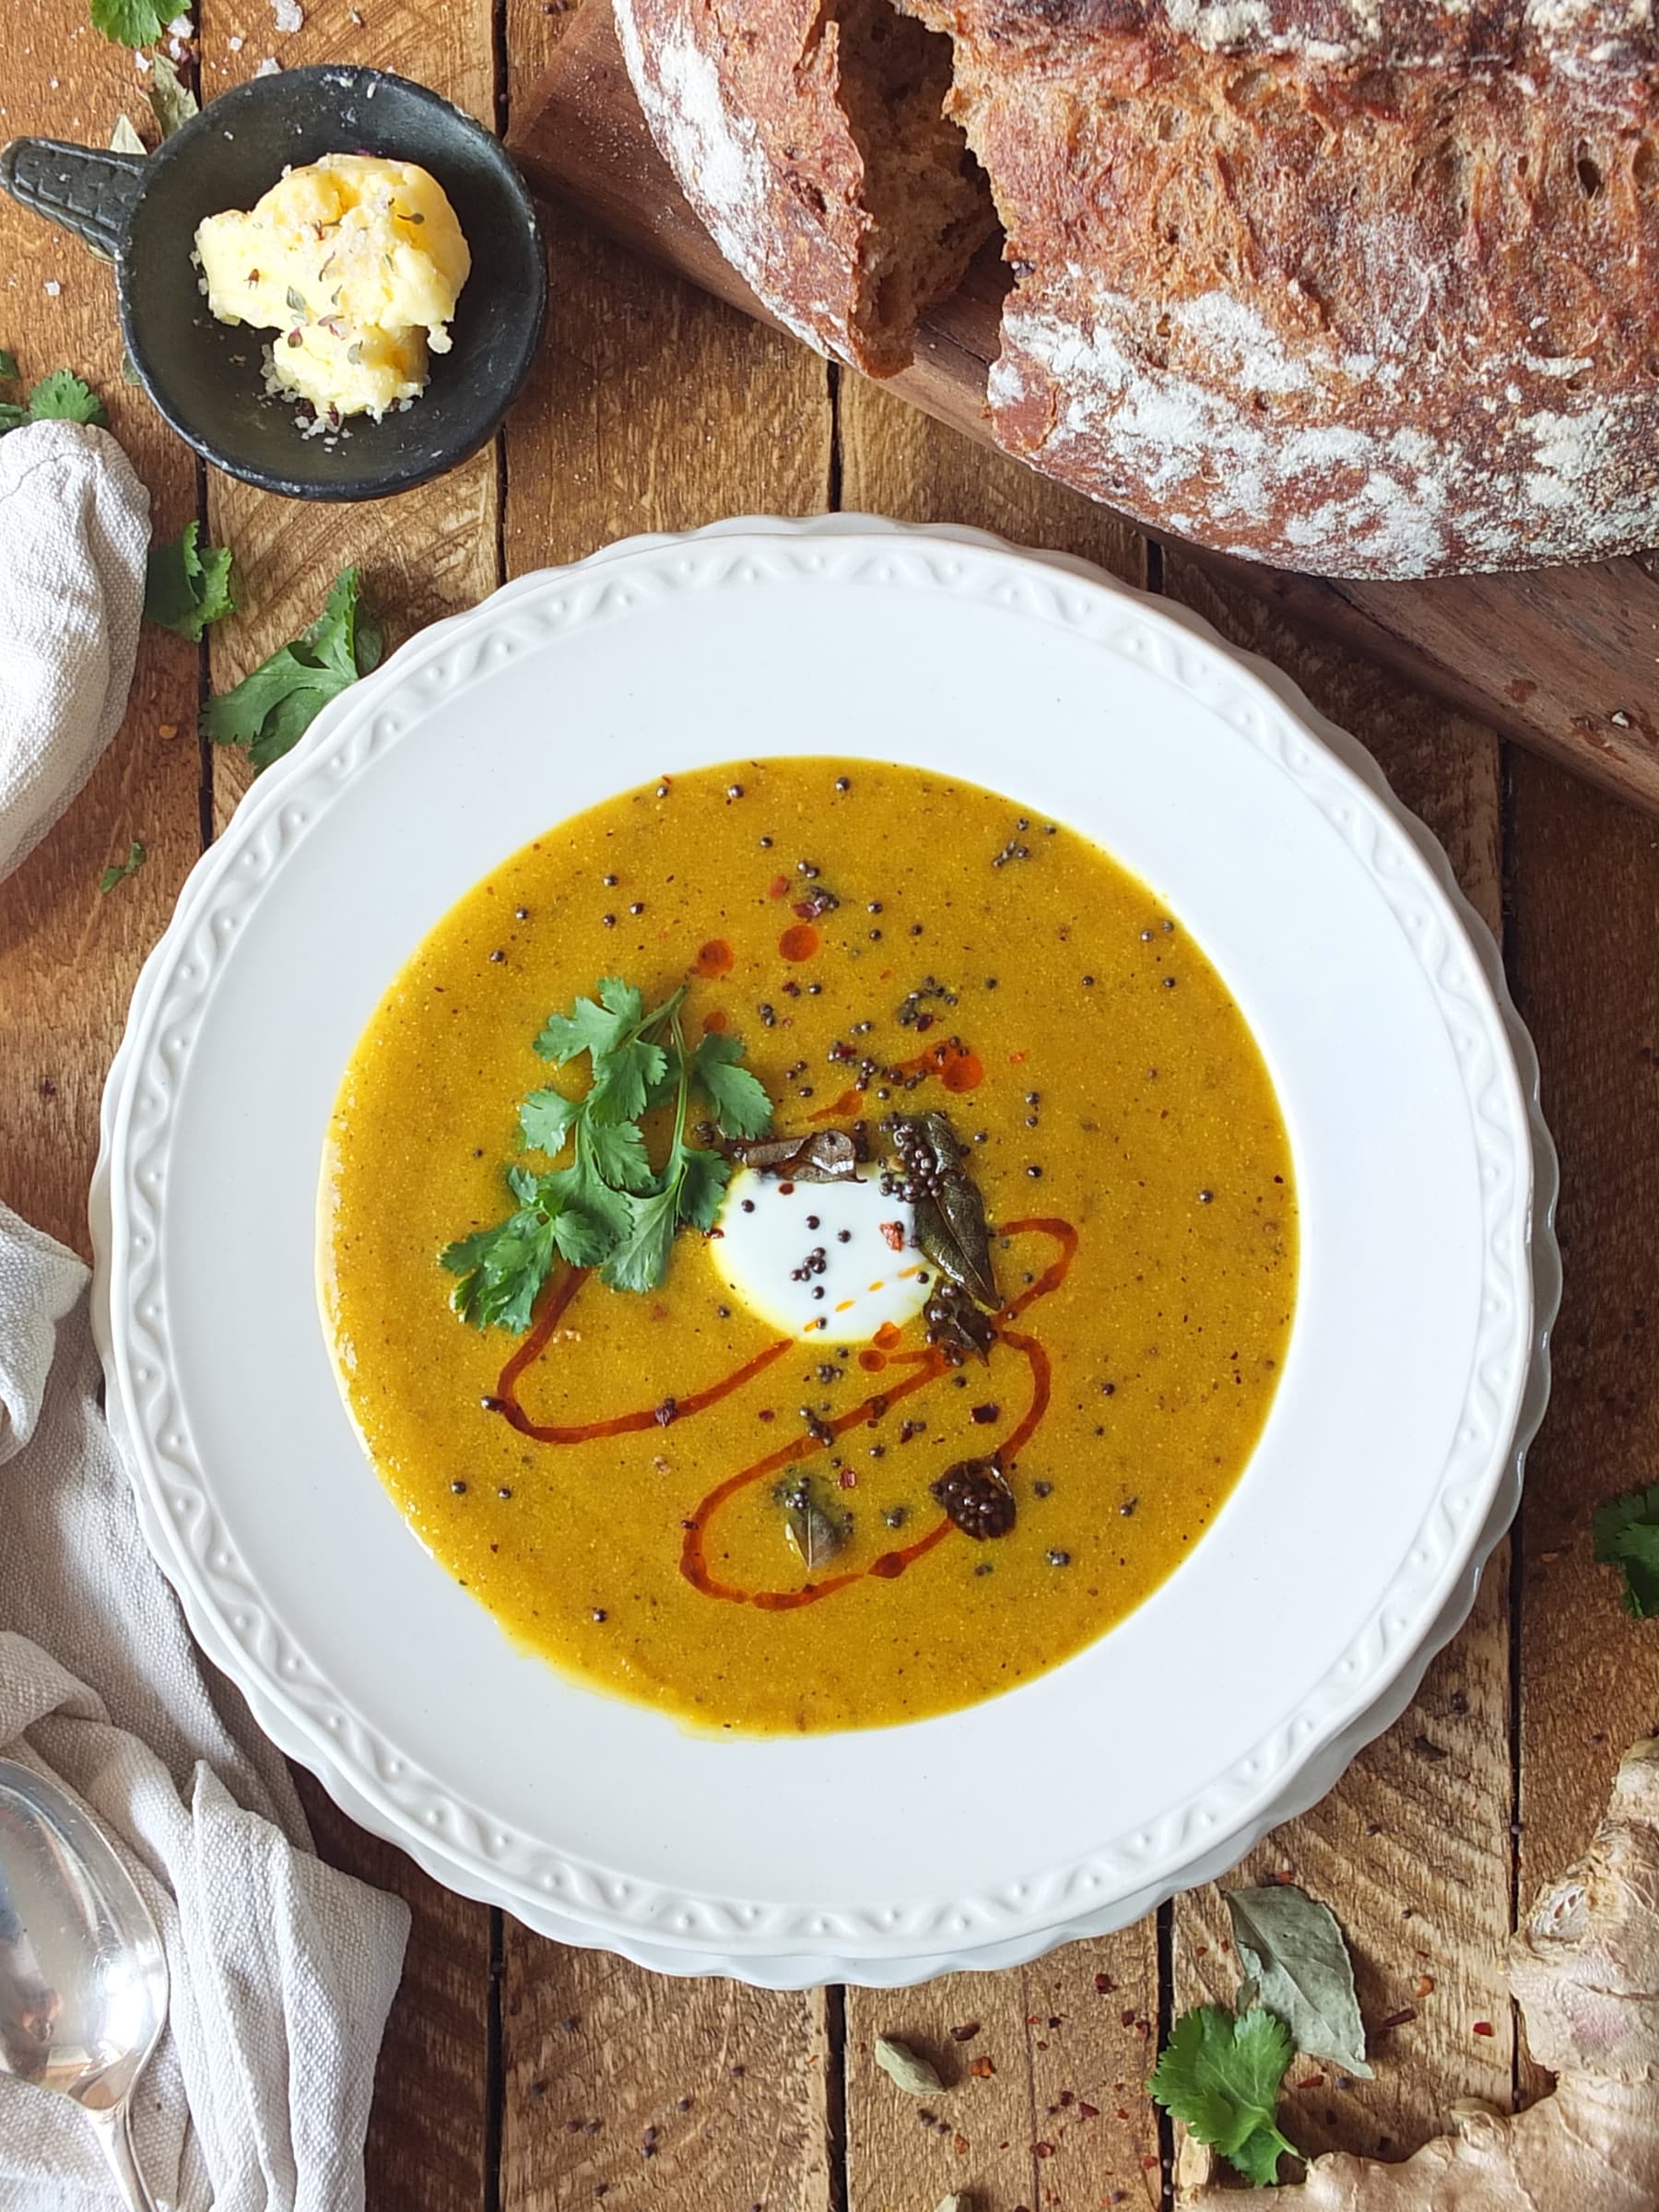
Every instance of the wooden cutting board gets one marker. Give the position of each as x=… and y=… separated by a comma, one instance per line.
x=1564, y=660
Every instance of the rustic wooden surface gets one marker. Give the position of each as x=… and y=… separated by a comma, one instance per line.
x=520, y=2077
x=1563, y=660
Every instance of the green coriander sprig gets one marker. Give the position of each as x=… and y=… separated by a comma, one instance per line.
x=1219, y=2075
x=609, y=1207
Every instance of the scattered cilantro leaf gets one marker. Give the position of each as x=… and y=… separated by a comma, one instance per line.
x=60, y=397
x=1626, y=1532
x=1293, y=1951
x=1219, y=2075
x=122, y=869
x=270, y=709
x=172, y=104
x=128, y=22
x=592, y=1026
x=186, y=587
x=702, y=1185
x=546, y=1117
x=9, y=367
x=501, y=1269
x=641, y=1260
x=739, y=1099
x=616, y=1151
x=607, y=1206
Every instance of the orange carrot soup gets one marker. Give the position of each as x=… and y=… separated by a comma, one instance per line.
x=807, y=1244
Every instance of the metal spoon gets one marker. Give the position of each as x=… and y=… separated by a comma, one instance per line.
x=82, y=1978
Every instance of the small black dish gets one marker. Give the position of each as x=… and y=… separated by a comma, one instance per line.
x=205, y=376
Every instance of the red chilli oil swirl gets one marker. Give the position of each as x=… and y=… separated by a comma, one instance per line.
x=926, y=1364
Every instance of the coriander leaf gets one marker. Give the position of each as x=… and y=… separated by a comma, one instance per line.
x=60, y=397
x=627, y=1003
x=583, y=1189
x=641, y=1260
x=525, y=1187
x=704, y=1179
x=739, y=1099
x=580, y=1239
x=1626, y=1533
x=172, y=102
x=589, y=1027
x=616, y=1151
x=1293, y=1950
x=546, y=1117
x=128, y=22
x=9, y=367
x=269, y=710
x=1220, y=2076
x=1258, y=2155
x=624, y=1080
x=501, y=1270
x=136, y=858
x=185, y=589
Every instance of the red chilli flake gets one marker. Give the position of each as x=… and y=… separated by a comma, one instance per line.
x=894, y=1233
x=1485, y=2028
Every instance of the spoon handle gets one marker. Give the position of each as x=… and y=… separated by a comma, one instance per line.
x=84, y=189
x=114, y=2134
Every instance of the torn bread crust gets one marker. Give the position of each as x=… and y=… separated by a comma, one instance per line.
x=1355, y=286
x=810, y=136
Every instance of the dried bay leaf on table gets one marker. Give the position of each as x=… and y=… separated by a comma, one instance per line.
x=1298, y=1964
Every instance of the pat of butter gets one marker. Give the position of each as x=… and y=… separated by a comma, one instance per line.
x=357, y=263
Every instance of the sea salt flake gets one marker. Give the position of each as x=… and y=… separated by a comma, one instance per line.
x=289, y=15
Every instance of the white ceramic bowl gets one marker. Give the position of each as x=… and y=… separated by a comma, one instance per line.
x=1391, y=1461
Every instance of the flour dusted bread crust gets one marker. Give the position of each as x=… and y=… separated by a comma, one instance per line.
x=1368, y=287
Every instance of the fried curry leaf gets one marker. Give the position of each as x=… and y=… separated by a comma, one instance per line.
x=825, y=1156
x=608, y=1206
x=816, y=1529
x=945, y=1201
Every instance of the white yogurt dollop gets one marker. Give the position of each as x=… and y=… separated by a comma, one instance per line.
x=827, y=1261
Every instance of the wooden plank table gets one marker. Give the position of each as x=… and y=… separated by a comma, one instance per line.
x=518, y=2077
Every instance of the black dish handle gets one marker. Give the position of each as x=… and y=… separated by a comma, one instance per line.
x=85, y=191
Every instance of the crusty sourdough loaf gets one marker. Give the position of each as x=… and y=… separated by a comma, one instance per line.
x=1368, y=288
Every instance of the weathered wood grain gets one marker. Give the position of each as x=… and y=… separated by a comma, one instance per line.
x=68, y=955
x=429, y=552
x=1563, y=660
x=645, y=2093
x=1412, y=1848
x=1583, y=887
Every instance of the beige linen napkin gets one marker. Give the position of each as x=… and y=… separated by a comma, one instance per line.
x=282, y=1967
